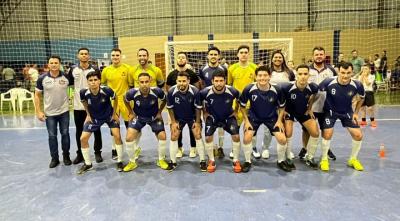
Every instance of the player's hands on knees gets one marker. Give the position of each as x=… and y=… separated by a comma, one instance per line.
x=41, y=116
x=115, y=117
x=279, y=124
x=131, y=116
x=355, y=118
x=174, y=127
x=247, y=125
x=88, y=119
x=158, y=116
x=311, y=114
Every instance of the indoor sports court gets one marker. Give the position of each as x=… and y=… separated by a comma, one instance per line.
x=32, y=31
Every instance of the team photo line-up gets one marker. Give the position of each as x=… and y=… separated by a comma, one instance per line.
x=218, y=98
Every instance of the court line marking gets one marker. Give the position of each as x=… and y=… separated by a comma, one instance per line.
x=255, y=191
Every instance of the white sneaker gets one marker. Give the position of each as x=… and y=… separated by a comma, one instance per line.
x=265, y=154
x=192, y=153
x=179, y=154
x=231, y=155
x=255, y=153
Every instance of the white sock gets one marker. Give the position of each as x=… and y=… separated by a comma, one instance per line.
x=281, y=150
x=254, y=141
x=210, y=151
x=288, y=147
x=247, y=152
x=139, y=135
x=200, y=149
x=221, y=141
x=173, y=149
x=267, y=139
x=113, y=143
x=162, y=148
x=120, y=152
x=355, y=148
x=86, y=156
x=130, y=150
x=235, y=150
x=325, y=145
x=312, y=147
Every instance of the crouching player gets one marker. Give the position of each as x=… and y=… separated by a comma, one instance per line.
x=97, y=103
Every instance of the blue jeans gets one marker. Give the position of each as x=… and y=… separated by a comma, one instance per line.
x=51, y=124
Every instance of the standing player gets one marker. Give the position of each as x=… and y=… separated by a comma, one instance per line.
x=367, y=79
x=181, y=100
x=145, y=111
x=340, y=92
x=299, y=96
x=318, y=72
x=218, y=112
x=144, y=66
x=115, y=77
x=96, y=101
x=194, y=80
x=240, y=75
x=77, y=76
x=53, y=88
x=206, y=74
x=266, y=107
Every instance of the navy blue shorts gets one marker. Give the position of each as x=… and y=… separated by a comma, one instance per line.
x=230, y=125
x=183, y=123
x=157, y=125
x=270, y=124
x=346, y=119
x=96, y=124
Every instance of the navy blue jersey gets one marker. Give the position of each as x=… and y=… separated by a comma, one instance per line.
x=339, y=97
x=183, y=104
x=296, y=99
x=219, y=105
x=99, y=105
x=146, y=108
x=206, y=73
x=263, y=104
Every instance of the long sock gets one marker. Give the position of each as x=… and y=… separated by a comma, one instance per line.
x=325, y=145
x=235, y=150
x=253, y=141
x=200, y=149
x=138, y=137
x=120, y=152
x=130, y=150
x=113, y=143
x=355, y=148
x=281, y=150
x=247, y=152
x=221, y=133
x=162, y=149
x=173, y=149
x=210, y=151
x=86, y=156
x=267, y=139
x=288, y=147
x=312, y=147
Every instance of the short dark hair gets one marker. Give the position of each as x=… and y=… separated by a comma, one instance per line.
x=318, y=48
x=83, y=49
x=144, y=49
x=144, y=74
x=116, y=49
x=354, y=50
x=243, y=46
x=93, y=74
x=183, y=74
x=219, y=73
x=263, y=68
x=302, y=66
x=55, y=57
x=345, y=65
x=213, y=48
x=181, y=52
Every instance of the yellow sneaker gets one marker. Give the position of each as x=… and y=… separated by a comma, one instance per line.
x=137, y=152
x=130, y=166
x=193, y=152
x=162, y=164
x=179, y=154
x=356, y=164
x=324, y=165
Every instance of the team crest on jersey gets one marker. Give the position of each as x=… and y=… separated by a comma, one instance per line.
x=152, y=102
x=227, y=101
x=138, y=103
x=177, y=100
x=350, y=93
x=206, y=75
x=271, y=99
x=103, y=100
x=62, y=82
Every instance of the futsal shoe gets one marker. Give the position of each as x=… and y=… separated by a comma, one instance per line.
x=130, y=166
x=67, y=161
x=211, y=166
x=331, y=155
x=283, y=166
x=290, y=164
x=137, y=152
x=98, y=157
x=256, y=154
x=373, y=124
x=114, y=154
x=179, y=154
x=54, y=163
x=363, y=123
x=265, y=154
x=236, y=166
x=203, y=166
x=302, y=153
x=84, y=169
x=120, y=167
x=192, y=153
x=356, y=164
x=324, y=165
x=171, y=166
x=311, y=163
x=246, y=167
x=162, y=164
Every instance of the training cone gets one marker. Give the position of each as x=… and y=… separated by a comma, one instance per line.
x=382, y=151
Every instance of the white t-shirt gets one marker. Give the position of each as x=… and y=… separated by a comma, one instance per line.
x=370, y=79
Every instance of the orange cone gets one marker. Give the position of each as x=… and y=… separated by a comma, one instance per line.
x=382, y=151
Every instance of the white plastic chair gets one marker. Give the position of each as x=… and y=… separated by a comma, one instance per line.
x=24, y=95
x=11, y=96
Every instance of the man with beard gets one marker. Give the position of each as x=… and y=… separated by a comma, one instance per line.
x=182, y=100
x=340, y=92
x=217, y=103
x=157, y=78
x=206, y=74
x=318, y=72
x=146, y=110
x=194, y=80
